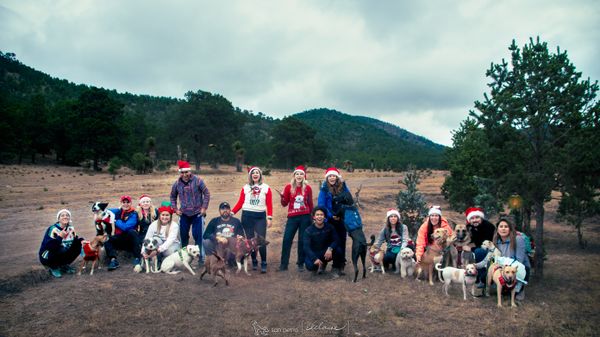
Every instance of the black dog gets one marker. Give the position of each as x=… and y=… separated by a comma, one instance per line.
x=359, y=249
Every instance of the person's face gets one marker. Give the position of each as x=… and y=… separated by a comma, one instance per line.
x=394, y=219
x=319, y=217
x=63, y=219
x=331, y=179
x=165, y=217
x=503, y=229
x=475, y=221
x=299, y=177
x=145, y=204
x=435, y=219
x=186, y=176
x=225, y=212
x=125, y=204
x=255, y=176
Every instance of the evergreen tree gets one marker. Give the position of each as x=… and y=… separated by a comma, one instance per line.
x=411, y=203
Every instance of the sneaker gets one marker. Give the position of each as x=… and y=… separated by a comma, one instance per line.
x=335, y=273
x=136, y=261
x=320, y=271
x=67, y=269
x=282, y=268
x=300, y=268
x=114, y=264
x=254, y=264
x=263, y=267
x=480, y=285
x=55, y=272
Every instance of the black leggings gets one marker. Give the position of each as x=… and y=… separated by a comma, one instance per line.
x=62, y=256
x=256, y=222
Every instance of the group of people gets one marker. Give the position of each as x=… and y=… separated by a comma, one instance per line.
x=322, y=229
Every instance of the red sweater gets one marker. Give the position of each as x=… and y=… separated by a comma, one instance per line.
x=298, y=203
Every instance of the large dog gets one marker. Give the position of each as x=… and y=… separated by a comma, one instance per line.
x=359, y=249
x=461, y=240
x=104, y=219
x=405, y=262
x=91, y=253
x=149, y=246
x=182, y=258
x=466, y=277
x=215, y=263
x=505, y=278
x=242, y=247
x=434, y=253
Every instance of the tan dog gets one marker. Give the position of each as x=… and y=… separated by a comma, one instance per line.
x=461, y=240
x=376, y=257
x=505, y=278
x=215, y=265
x=466, y=277
x=434, y=253
x=91, y=252
x=405, y=262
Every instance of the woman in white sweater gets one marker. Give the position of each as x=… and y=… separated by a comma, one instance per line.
x=166, y=230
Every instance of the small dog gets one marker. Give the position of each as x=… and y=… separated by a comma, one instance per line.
x=91, y=252
x=149, y=246
x=242, y=248
x=104, y=219
x=215, y=265
x=466, y=277
x=359, y=249
x=376, y=257
x=434, y=253
x=405, y=262
x=505, y=278
x=182, y=258
x=461, y=240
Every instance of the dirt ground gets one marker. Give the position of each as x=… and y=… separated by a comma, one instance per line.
x=123, y=303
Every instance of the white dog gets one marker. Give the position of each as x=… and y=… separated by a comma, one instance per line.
x=182, y=257
x=405, y=263
x=465, y=276
x=149, y=246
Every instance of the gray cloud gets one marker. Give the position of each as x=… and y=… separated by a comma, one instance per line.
x=419, y=65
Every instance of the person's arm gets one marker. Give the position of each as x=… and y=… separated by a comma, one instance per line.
x=421, y=240
x=237, y=227
x=239, y=203
x=128, y=224
x=380, y=238
x=447, y=226
x=173, y=235
x=405, y=236
x=285, y=196
x=322, y=202
x=520, y=255
x=205, y=196
x=174, y=193
x=269, y=202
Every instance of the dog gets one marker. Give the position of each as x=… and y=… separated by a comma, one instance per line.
x=182, y=258
x=461, y=239
x=359, y=250
x=376, y=256
x=242, y=247
x=149, y=246
x=491, y=248
x=505, y=278
x=434, y=253
x=405, y=262
x=90, y=251
x=215, y=265
x=466, y=277
x=104, y=219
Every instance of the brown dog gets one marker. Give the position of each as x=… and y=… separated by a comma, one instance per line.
x=91, y=252
x=505, y=278
x=461, y=240
x=241, y=249
x=434, y=253
x=215, y=265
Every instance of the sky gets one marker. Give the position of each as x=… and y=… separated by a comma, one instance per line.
x=417, y=64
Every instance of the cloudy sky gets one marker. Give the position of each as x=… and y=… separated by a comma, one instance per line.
x=417, y=64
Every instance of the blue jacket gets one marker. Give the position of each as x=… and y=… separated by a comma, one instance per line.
x=124, y=221
x=52, y=242
x=334, y=205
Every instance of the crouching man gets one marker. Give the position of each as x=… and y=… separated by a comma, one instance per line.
x=321, y=243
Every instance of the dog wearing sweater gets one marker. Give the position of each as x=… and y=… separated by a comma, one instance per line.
x=90, y=251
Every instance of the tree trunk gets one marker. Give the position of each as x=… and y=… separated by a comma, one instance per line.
x=239, y=160
x=539, y=238
x=527, y=220
x=580, y=240
x=33, y=157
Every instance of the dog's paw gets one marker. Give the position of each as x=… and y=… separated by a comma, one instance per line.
x=137, y=268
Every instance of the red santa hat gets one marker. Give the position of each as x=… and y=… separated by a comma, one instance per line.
x=252, y=168
x=144, y=197
x=474, y=211
x=332, y=171
x=184, y=166
x=300, y=168
x=435, y=210
x=391, y=212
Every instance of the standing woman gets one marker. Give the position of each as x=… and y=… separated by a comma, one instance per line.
x=335, y=197
x=256, y=203
x=297, y=196
x=395, y=234
x=60, y=245
x=167, y=230
x=146, y=214
x=511, y=244
x=433, y=221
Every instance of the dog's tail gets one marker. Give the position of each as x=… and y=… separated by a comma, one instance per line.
x=438, y=267
x=372, y=241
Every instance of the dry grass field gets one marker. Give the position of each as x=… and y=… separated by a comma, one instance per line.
x=123, y=303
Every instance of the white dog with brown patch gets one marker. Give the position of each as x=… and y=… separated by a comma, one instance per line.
x=405, y=262
x=182, y=258
x=466, y=277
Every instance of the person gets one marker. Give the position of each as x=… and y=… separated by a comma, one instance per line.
x=166, y=230
x=481, y=230
x=146, y=214
x=256, y=203
x=297, y=197
x=126, y=236
x=321, y=243
x=511, y=244
x=395, y=234
x=60, y=245
x=194, y=198
x=335, y=197
x=222, y=227
x=433, y=221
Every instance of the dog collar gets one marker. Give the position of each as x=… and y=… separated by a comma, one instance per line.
x=180, y=253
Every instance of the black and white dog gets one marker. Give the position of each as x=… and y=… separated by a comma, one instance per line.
x=149, y=246
x=104, y=219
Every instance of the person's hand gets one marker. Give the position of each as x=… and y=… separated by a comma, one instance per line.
x=269, y=223
x=221, y=239
x=328, y=255
x=467, y=248
x=144, y=255
x=336, y=218
x=178, y=212
x=318, y=263
x=63, y=234
x=202, y=212
x=418, y=258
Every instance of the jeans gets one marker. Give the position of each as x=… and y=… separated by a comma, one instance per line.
x=256, y=222
x=196, y=221
x=340, y=229
x=296, y=223
x=128, y=241
x=480, y=254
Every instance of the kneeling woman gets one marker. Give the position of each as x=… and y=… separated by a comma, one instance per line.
x=395, y=235
x=433, y=221
x=165, y=229
x=512, y=245
x=60, y=245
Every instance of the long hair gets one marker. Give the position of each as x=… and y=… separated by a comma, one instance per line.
x=336, y=188
x=397, y=229
x=430, y=228
x=150, y=216
x=302, y=185
x=168, y=226
x=512, y=234
x=260, y=180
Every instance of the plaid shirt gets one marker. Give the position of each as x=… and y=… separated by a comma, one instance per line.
x=193, y=195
